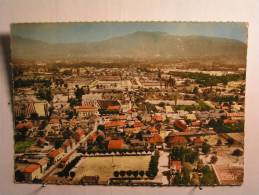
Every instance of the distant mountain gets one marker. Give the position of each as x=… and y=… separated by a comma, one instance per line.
x=136, y=45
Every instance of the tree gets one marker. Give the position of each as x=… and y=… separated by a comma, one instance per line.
x=45, y=94
x=177, y=178
x=141, y=173
x=101, y=127
x=237, y=152
x=19, y=176
x=135, y=173
x=129, y=173
x=116, y=173
x=186, y=176
x=161, y=104
x=122, y=173
x=230, y=141
x=34, y=116
x=205, y=148
x=213, y=159
x=58, y=143
x=79, y=92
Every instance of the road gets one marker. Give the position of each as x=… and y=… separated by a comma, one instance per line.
x=162, y=167
x=53, y=167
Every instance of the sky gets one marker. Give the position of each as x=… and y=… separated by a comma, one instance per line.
x=98, y=31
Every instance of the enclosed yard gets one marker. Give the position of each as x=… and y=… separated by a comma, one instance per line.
x=105, y=166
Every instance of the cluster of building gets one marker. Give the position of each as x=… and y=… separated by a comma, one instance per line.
x=98, y=112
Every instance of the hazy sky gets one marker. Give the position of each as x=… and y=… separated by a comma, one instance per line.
x=89, y=32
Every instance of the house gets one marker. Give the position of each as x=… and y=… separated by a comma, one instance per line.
x=114, y=108
x=190, y=117
x=41, y=142
x=43, y=162
x=236, y=115
x=229, y=121
x=168, y=110
x=109, y=105
x=25, y=109
x=86, y=110
x=92, y=138
x=137, y=143
x=176, y=141
x=91, y=98
x=55, y=122
x=24, y=124
x=153, y=130
x=80, y=134
x=180, y=125
x=125, y=106
x=175, y=165
x=132, y=130
x=156, y=139
x=158, y=118
x=198, y=141
x=116, y=144
x=196, y=123
x=55, y=155
x=31, y=172
x=114, y=124
x=138, y=124
x=60, y=100
x=68, y=145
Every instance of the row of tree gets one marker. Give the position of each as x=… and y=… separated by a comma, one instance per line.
x=129, y=173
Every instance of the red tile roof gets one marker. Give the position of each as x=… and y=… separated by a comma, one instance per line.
x=67, y=142
x=138, y=124
x=80, y=132
x=228, y=121
x=153, y=130
x=180, y=124
x=236, y=114
x=113, y=108
x=110, y=124
x=198, y=140
x=115, y=144
x=31, y=168
x=158, y=118
x=54, y=121
x=178, y=140
x=20, y=125
x=86, y=108
x=176, y=165
x=55, y=153
x=155, y=139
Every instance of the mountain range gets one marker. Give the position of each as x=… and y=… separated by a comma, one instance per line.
x=138, y=45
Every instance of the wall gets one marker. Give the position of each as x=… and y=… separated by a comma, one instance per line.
x=172, y=10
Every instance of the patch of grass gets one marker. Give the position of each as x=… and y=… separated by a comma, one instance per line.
x=21, y=146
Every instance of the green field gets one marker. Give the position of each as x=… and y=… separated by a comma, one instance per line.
x=22, y=145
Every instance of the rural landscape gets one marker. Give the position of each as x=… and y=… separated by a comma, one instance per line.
x=129, y=103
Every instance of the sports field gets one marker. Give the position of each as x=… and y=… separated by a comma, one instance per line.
x=105, y=166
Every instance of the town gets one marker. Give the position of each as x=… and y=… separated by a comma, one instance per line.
x=129, y=125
